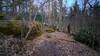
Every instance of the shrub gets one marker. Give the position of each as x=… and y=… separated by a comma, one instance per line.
x=39, y=18
x=89, y=38
x=36, y=30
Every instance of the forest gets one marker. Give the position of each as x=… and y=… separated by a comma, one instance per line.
x=49, y=27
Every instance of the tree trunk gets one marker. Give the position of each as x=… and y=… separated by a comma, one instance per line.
x=54, y=12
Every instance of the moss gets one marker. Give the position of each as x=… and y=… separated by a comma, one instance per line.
x=10, y=27
x=2, y=16
x=18, y=18
x=50, y=30
x=15, y=27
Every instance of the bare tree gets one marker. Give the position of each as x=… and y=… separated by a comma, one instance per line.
x=54, y=11
x=60, y=15
x=49, y=14
x=30, y=9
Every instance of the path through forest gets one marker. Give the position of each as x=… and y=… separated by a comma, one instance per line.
x=58, y=44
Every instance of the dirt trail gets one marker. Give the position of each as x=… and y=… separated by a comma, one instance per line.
x=58, y=44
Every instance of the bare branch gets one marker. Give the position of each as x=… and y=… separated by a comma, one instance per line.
x=30, y=29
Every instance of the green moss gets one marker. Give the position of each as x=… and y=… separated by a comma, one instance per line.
x=51, y=29
x=15, y=27
x=10, y=27
x=18, y=18
x=2, y=16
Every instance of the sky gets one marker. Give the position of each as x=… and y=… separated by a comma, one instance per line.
x=69, y=3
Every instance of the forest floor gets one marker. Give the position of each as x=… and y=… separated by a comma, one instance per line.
x=58, y=44
x=48, y=44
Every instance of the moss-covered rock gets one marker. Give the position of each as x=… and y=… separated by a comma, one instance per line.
x=51, y=29
x=10, y=27
x=15, y=27
x=2, y=16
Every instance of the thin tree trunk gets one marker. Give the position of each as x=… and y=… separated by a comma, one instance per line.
x=30, y=9
x=54, y=12
x=60, y=15
x=49, y=14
